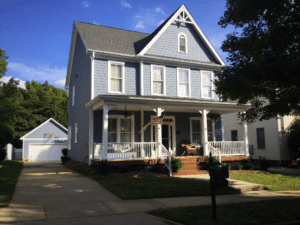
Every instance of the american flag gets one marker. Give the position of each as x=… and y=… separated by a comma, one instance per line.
x=156, y=121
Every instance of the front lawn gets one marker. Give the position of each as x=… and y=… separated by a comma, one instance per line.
x=9, y=173
x=273, y=182
x=160, y=187
x=262, y=212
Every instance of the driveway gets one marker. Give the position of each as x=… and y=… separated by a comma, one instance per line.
x=50, y=193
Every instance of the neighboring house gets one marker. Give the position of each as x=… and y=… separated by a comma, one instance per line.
x=267, y=138
x=45, y=142
x=120, y=80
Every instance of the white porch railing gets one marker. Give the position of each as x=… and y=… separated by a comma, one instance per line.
x=227, y=148
x=126, y=150
x=166, y=153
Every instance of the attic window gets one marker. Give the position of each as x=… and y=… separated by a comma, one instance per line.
x=182, y=43
x=183, y=17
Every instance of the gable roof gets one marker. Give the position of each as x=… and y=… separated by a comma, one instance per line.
x=22, y=138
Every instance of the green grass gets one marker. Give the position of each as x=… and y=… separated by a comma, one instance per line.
x=262, y=212
x=273, y=182
x=9, y=173
x=160, y=187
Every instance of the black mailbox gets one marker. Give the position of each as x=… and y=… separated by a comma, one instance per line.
x=218, y=175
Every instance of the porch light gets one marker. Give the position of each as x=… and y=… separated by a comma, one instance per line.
x=126, y=113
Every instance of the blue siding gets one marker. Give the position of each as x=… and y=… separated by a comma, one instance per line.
x=79, y=113
x=167, y=44
x=49, y=127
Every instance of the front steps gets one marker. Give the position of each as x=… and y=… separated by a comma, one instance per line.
x=193, y=165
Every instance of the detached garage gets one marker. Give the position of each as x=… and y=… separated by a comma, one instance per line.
x=45, y=142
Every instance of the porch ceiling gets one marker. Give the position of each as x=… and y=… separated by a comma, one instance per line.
x=148, y=103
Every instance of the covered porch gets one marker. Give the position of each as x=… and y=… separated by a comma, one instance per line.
x=115, y=122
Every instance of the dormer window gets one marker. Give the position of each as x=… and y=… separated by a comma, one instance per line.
x=182, y=43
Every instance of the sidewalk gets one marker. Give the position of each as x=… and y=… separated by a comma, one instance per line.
x=284, y=170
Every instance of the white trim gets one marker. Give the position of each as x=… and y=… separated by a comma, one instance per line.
x=189, y=83
x=164, y=80
x=119, y=117
x=91, y=135
x=186, y=46
x=141, y=78
x=212, y=86
x=46, y=144
x=201, y=34
x=122, y=64
x=42, y=125
x=92, y=75
x=76, y=132
x=200, y=119
x=73, y=96
x=41, y=139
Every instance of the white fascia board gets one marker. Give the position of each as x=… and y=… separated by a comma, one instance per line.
x=22, y=138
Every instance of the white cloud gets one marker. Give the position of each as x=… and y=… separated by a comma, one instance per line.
x=139, y=25
x=125, y=4
x=159, y=10
x=22, y=83
x=94, y=22
x=160, y=22
x=40, y=73
x=61, y=82
x=86, y=4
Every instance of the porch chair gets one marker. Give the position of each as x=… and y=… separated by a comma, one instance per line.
x=122, y=148
x=188, y=147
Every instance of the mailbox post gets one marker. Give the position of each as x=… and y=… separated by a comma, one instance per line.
x=218, y=177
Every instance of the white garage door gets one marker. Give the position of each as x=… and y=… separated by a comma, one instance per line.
x=45, y=152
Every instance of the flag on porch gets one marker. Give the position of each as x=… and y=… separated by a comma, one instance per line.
x=157, y=120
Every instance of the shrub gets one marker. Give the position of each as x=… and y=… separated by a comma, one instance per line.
x=6, y=135
x=3, y=154
x=124, y=169
x=176, y=164
x=226, y=165
x=239, y=166
x=104, y=167
x=249, y=166
x=64, y=159
x=215, y=161
x=264, y=164
x=64, y=151
x=155, y=168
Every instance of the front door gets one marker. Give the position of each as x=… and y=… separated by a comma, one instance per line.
x=165, y=136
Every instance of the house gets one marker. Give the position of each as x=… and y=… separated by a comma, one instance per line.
x=119, y=80
x=267, y=138
x=45, y=142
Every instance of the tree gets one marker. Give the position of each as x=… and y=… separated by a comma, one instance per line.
x=3, y=63
x=264, y=58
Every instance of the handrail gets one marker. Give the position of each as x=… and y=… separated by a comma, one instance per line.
x=163, y=148
x=218, y=152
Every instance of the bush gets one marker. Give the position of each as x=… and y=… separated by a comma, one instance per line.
x=104, y=167
x=124, y=169
x=6, y=135
x=239, y=166
x=176, y=164
x=64, y=151
x=264, y=164
x=226, y=165
x=215, y=161
x=64, y=159
x=249, y=166
x=155, y=168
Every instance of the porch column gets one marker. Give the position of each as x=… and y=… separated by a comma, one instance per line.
x=91, y=135
x=142, y=134
x=222, y=128
x=246, y=139
x=159, y=137
x=106, y=108
x=204, y=132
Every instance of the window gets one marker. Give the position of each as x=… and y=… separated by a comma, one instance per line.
x=210, y=132
x=195, y=130
x=183, y=82
x=120, y=129
x=116, y=77
x=76, y=132
x=158, y=77
x=182, y=43
x=260, y=132
x=206, y=84
x=73, y=96
x=234, y=136
x=69, y=137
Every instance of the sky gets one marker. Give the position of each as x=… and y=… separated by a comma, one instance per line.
x=36, y=35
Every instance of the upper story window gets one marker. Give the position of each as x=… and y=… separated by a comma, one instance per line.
x=206, y=84
x=183, y=82
x=182, y=43
x=73, y=96
x=158, y=78
x=116, y=77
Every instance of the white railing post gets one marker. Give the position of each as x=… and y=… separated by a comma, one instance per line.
x=222, y=128
x=246, y=139
x=204, y=132
x=9, y=152
x=142, y=134
x=105, y=130
x=159, y=137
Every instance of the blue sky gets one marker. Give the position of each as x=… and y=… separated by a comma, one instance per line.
x=36, y=35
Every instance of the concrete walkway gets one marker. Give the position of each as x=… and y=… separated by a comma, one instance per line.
x=284, y=170
x=53, y=194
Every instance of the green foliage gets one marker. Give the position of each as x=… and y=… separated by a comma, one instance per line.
x=215, y=160
x=176, y=164
x=124, y=169
x=86, y=170
x=104, y=167
x=294, y=140
x=249, y=166
x=155, y=168
x=262, y=64
x=239, y=166
x=3, y=63
x=64, y=159
x=3, y=154
x=264, y=164
x=226, y=164
x=6, y=135
x=64, y=151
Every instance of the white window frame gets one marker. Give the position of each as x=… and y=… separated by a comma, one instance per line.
x=164, y=80
x=69, y=137
x=73, y=96
x=189, y=84
x=186, y=46
x=76, y=132
x=209, y=120
x=122, y=64
x=212, y=85
x=119, y=117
